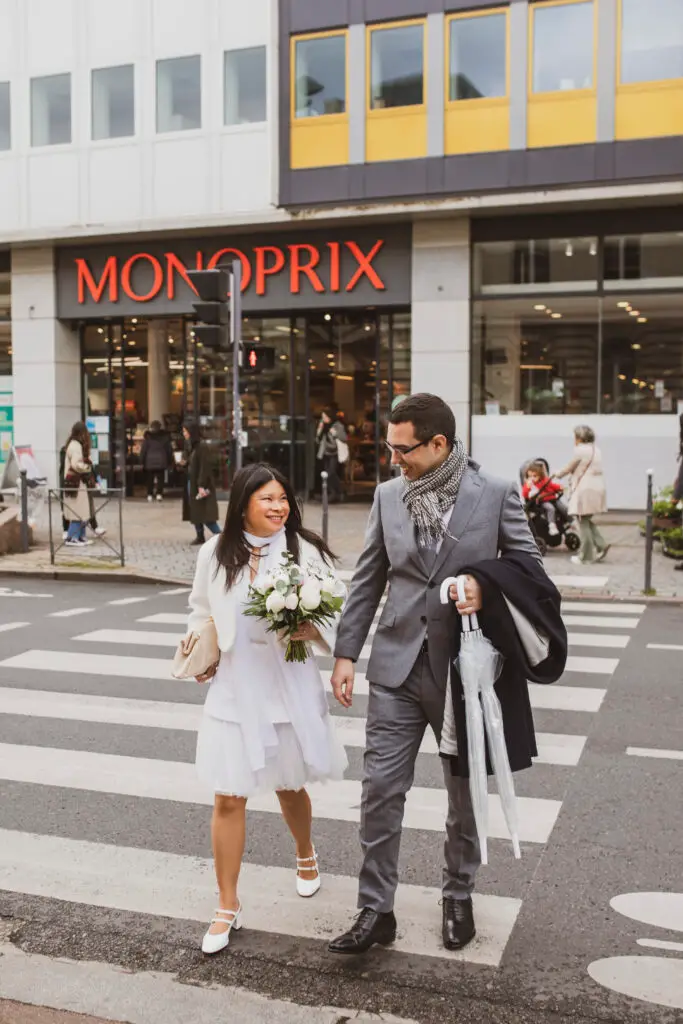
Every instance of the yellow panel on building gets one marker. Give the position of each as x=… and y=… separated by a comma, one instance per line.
x=321, y=142
x=477, y=106
x=477, y=126
x=562, y=119
x=396, y=110
x=399, y=134
x=319, y=120
x=649, y=110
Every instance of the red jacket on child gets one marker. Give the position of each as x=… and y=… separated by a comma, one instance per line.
x=547, y=490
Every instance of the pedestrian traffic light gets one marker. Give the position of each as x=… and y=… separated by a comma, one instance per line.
x=212, y=308
x=258, y=358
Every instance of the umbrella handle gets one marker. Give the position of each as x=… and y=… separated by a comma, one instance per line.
x=469, y=622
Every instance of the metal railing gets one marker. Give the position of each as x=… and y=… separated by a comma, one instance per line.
x=105, y=506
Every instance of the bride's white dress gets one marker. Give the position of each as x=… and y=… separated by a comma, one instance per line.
x=266, y=723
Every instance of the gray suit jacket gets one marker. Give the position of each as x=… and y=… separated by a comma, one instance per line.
x=487, y=519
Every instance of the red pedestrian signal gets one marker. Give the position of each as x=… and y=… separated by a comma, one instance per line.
x=253, y=359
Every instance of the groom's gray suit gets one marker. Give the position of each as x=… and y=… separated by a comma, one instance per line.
x=408, y=667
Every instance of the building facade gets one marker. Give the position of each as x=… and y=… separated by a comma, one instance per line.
x=479, y=199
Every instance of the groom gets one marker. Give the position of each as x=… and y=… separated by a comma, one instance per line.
x=441, y=514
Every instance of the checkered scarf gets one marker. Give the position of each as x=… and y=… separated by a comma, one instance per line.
x=429, y=497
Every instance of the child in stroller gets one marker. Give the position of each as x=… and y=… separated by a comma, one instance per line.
x=548, y=517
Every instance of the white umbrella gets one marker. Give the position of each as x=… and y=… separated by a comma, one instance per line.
x=479, y=664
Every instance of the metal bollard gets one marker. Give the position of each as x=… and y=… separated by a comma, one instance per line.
x=326, y=506
x=649, y=535
x=23, y=483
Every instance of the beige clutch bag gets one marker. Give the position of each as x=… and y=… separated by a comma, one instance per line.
x=197, y=653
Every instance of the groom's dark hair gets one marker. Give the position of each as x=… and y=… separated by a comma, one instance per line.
x=429, y=416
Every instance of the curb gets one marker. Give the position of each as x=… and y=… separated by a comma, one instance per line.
x=91, y=576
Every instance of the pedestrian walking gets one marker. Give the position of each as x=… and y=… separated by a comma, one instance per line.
x=333, y=450
x=266, y=726
x=678, y=485
x=588, y=495
x=442, y=514
x=200, y=505
x=156, y=457
x=77, y=473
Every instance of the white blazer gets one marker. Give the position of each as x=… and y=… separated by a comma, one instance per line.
x=210, y=599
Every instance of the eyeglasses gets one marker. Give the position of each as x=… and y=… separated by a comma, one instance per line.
x=401, y=449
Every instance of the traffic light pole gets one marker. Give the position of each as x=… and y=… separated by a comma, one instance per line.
x=236, y=339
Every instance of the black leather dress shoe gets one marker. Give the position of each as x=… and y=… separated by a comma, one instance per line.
x=458, y=922
x=370, y=928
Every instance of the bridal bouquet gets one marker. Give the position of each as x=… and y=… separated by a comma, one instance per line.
x=288, y=596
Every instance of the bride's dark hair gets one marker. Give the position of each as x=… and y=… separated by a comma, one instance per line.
x=232, y=550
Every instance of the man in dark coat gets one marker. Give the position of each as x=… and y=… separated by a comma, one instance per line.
x=200, y=504
x=156, y=457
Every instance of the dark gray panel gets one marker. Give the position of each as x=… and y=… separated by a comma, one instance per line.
x=517, y=168
x=357, y=182
x=317, y=15
x=649, y=158
x=470, y=5
x=396, y=178
x=320, y=185
x=604, y=161
x=578, y=223
x=356, y=12
x=560, y=165
x=5, y=261
x=144, y=278
x=390, y=10
x=285, y=197
x=436, y=177
x=477, y=172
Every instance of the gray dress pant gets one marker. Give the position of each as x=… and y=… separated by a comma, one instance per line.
x=397, y=719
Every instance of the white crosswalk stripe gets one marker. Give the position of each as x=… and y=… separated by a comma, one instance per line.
x=135, y=658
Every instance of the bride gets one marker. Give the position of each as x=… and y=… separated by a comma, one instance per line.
x=266, y=724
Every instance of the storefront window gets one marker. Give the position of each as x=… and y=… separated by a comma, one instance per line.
x=320, y=76
x=51, y=110
x=536, y=358
x=536, y=265
x=651, y=40
x=245, y=86
x=656, y=261
x=478, y=57
x=563, y=53
x=179, y=94
x=397, y=67
x=113, y=102
x=5, y=324
x=5, y=117
x=642, y=354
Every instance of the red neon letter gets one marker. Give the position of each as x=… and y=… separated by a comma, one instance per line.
x=127, y=269
x=109, y=276
x=246, y=265
x=297, y=268
x=365, y=266
x=335, y=249
x=261, y=270
x=173, y=267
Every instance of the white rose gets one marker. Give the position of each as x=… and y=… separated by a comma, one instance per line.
x=310, y=596
x=262, y=584
x=275, y=602
x=292, y=602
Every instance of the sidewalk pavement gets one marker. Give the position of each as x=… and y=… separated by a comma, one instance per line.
x=157, y=546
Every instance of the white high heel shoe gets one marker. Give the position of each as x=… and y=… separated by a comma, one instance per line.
x=307, y=887
x=215, y=943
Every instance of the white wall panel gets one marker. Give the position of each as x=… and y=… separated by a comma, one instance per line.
x=180, y=27
x=115, y=32
x=114, y=175
x=10, y=192
x=244, y=24
x=7, y=37
x=180, y=177
x=53, y=196
x=245, y=170
x=51, y=35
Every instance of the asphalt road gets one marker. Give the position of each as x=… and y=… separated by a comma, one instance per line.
x=104, y=839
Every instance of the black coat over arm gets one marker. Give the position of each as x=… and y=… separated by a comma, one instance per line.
x=525, y=584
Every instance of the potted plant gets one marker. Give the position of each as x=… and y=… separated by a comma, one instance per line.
x=672, y=543
x=665, y=511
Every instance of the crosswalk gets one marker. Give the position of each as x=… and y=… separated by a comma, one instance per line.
x=98, y=717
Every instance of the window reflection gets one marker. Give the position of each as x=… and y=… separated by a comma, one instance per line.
x=397, y=60
x=536, y=265
x=478, y=57
x=563, y=47
x=113, y=102
x=321, y=76
x=651, y=40
x=245, y=86
x=51, y=110
x=179, y=95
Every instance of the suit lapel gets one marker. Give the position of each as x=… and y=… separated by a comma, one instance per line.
x=408, y=532
x=469, y=496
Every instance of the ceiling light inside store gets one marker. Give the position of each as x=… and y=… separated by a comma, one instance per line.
x=283, y=358
x=328, y=316
x=634, y=312
x=593, y=250
x=636, y=347
x=556, y=316
x=135, y=320
x=623, y=305
x=569, y=251
x=368, y=327
x=642, y=320
x=540, y=307
x=622, y=376
x=100, y=330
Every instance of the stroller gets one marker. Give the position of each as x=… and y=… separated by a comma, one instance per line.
x=538, y=519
